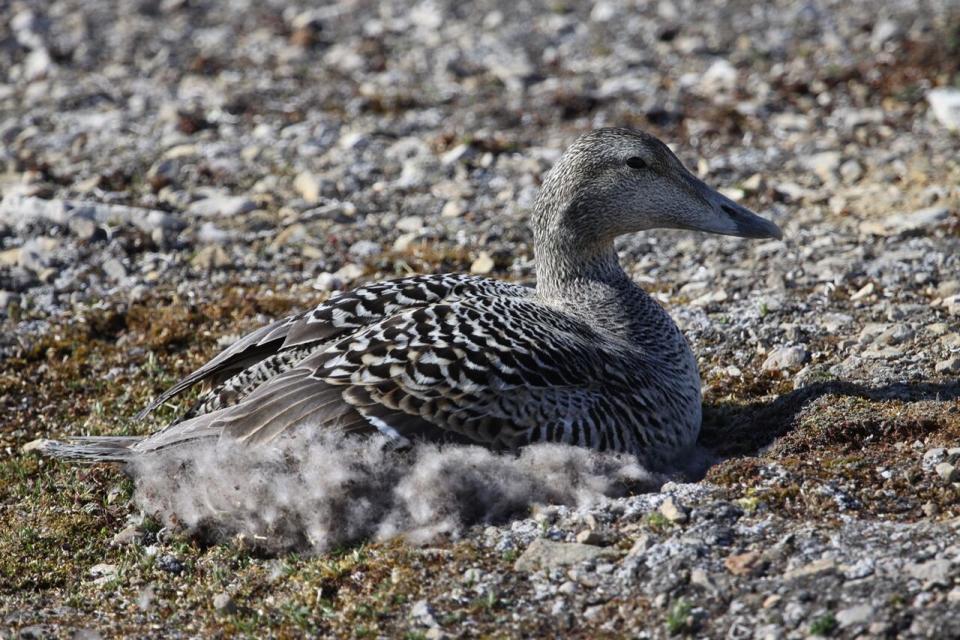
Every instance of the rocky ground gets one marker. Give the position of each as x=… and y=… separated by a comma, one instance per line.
x=175, y=173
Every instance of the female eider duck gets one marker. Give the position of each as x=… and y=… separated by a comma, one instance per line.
x=585, y=358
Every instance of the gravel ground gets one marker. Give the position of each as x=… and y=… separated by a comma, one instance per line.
x=175, y=173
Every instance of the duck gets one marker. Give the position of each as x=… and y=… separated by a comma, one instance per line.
x=585, y=357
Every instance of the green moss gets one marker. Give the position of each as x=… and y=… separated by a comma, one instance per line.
x=678, y=618
x=823, y=625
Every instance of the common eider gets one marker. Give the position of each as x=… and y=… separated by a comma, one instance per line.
x=585, y=357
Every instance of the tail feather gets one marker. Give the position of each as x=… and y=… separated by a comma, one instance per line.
x=92, y=448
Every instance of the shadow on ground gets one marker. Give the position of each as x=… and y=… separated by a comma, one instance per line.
x=743, y=430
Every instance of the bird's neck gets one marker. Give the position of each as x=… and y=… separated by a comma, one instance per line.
x=568, y=266
x=570, y=254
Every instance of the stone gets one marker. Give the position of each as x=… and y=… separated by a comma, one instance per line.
x=950, y=365
x=130, y=534
x=817, y=567
x=824, y=164
x=364, y=249
x=114, y=269
x=851, y=171
x=744, y=564
x=307, y=186
x=547, y=554
x=945, y=105
x=482, y=265
x=410, y=224
x=701, y=578
x=904, y=222
x=423, y=614
x=221, y=205
x=856, y=615
x=947, y=472
x=786, y=358
x=211, y=258
x=170, y=564
x=223, y=603
x=673, y=511
x=103, y=572
x=452, y=209
x=86, y=229
x=933, y=573
x=590, y=536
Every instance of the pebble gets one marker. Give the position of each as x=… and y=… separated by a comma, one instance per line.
x=815, y=568
x=950, y=365
x=786, y=358
x=673, y=511
x=743, y=564
x=223, y=603
x=856, y=615
x=547, y=554
x=365, y=249
x=482, y=265
x=211, y=258
x=947, y=472
x=825, y=165
x=307, y=186
x=170, y=564
x=423, y=614
x=219, y=205
x=904, y=222
x=945, y=105
x=933, y=573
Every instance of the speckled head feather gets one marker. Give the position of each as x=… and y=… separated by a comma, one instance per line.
x=586, y=358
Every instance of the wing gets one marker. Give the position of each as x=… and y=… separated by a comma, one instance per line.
x=503, y=371
x=332, y=319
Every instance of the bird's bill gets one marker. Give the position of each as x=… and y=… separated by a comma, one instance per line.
x=724, y=216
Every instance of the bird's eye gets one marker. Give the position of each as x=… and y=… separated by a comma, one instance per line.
x=636, y=163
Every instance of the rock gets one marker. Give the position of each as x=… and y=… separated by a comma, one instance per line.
x=568, y=588
x=221, y=205
x=744, y=564
x=114, y=269
x=834, y=321
x=950, y=365
x=547, y=554
x=130, y=534
x=423, y=614
x=721, y=76
x=851, y=171
x=933, y=573
x=103, y=572
x=8, y=299
x=593, y=537
x=945, y=105
x=483, y=264
x=817, y=567
x=674, y=511
x=86, y=229
x=824, y=164
x=211, y=258
x=452, y=209
x=223, y=603
x=38, y=253
x=170, y=564
x=163, y=173
x=410, y=224
x=786, y=358
x=857, y=615
x=904, y=222
x=365, y=249
x=307, y=186
x=863, y=291
x=293, y=234
x=947, y=472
